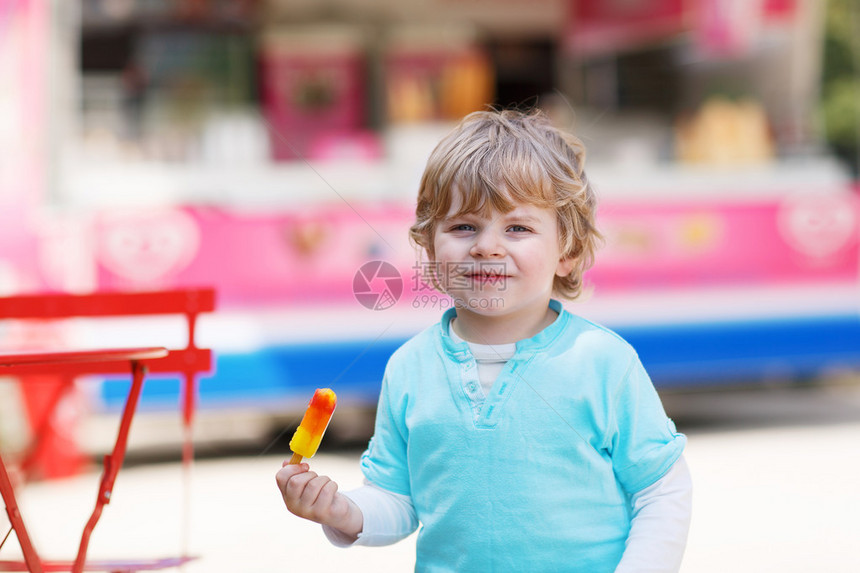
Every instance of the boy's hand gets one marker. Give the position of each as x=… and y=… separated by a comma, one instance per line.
x=316, y=498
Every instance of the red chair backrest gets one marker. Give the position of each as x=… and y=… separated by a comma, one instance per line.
x=188, y=361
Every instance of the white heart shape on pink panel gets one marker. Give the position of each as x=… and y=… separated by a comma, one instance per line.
x=146, y=246
x=818, y=225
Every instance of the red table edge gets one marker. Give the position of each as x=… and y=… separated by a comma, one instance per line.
x=85, y=355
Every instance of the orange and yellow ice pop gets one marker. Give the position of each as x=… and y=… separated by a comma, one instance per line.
x=308, y=435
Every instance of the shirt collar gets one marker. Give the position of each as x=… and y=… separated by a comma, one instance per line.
x=460, y=350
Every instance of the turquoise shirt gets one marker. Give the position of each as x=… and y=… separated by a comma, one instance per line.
x=534, y=477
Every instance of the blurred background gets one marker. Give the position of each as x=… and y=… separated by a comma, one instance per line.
x=271, y=149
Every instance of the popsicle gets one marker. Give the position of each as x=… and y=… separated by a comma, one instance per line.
x=308, y=435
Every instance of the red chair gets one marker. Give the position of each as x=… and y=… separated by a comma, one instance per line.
x=189, y=361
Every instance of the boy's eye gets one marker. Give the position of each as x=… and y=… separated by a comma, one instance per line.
x=463, y=227
x=519, y=229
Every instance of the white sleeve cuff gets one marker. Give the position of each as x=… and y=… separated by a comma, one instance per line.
x=388, y=517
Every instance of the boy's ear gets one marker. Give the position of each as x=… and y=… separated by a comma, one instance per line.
x=565, y=266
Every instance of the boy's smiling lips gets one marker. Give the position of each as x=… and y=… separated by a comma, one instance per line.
x=483, y=271
x=487, y=277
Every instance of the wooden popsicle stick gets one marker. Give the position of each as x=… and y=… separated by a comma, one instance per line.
x=296, y=459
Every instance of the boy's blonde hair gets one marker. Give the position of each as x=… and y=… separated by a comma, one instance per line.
x=496, y=158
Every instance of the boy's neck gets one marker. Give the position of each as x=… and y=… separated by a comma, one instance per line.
x=482, y=329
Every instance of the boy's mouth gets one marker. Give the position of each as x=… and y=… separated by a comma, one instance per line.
x=488, y=277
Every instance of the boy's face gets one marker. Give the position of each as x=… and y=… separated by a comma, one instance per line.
x=499, y=264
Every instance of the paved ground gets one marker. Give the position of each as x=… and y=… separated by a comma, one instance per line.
x=776, y=489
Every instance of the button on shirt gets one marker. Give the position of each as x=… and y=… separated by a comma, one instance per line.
x=489, y=358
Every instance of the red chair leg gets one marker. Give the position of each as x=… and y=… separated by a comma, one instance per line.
x=112, y=462
x=31, y=558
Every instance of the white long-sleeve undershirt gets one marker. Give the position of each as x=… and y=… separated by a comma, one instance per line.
x=660, y=523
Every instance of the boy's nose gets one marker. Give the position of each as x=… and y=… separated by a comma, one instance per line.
x=487, y=245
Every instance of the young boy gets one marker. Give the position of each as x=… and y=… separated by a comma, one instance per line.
x=520, y=437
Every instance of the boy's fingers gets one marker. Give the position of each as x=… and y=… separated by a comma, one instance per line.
x=326, y=494
x=322, y=508
x=306, y=493
x=313, y=488
x=292, y=480
x=299, y=483
x=289, y=470
x=286, y=463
